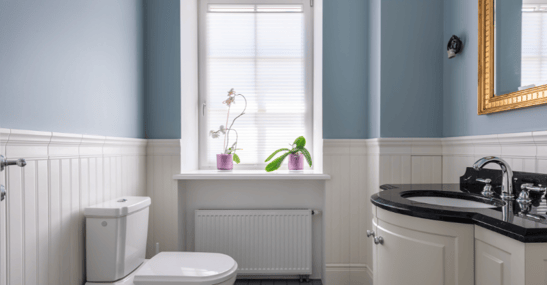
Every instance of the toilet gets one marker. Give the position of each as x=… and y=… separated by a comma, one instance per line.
x=116, y=233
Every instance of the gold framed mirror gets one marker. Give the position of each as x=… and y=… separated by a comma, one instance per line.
x=527, y=95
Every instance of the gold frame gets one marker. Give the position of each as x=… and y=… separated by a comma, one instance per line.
x=488, y=102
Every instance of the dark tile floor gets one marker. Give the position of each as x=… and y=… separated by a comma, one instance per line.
x=275, y=282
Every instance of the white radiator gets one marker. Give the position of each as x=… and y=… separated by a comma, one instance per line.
x=263, y=242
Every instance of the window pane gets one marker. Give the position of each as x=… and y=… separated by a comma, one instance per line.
x=231, y=8
x=279, y=8
x=262, y=56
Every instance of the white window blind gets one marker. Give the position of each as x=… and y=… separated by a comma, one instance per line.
x=263, y=51
x=534, y=45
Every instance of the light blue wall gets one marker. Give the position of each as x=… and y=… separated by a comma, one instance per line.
x=72, y=66
x=162, y=69
x=77, y=67
x=406, y=68
x=460, y=84
x=345, y=69
x=508, y=45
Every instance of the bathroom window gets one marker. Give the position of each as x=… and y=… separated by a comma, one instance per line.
x=263, y=50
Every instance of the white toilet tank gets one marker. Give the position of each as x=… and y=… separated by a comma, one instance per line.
x=116, y=233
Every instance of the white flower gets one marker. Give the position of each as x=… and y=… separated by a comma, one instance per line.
x=222, y=129
x=214, y=134
x=230, y=100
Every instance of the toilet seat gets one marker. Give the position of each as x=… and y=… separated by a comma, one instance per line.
x=186, y=268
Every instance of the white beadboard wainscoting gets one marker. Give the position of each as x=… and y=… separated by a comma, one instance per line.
x=401, y=160
x=163, y=161
x=44, y=221
x=345, y=211
x=523, y=151
x=357, y=168
x=43, y=212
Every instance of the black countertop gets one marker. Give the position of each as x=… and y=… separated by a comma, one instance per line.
x=526, y=224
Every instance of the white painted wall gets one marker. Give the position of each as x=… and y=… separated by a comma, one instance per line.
x=64, y=174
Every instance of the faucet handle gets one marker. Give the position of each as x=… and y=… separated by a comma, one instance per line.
x=531, y=187
x=527, y=187
x=487, y=190
x=524, y=199
x=484, y=180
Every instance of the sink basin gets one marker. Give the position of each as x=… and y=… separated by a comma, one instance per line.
x=452, y=199
x=452, y=202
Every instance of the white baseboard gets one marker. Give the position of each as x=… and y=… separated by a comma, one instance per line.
x=348, y=274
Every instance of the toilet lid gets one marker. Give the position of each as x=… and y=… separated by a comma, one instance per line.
x=196, y=268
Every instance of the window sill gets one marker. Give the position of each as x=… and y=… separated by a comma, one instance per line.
x=250, y=175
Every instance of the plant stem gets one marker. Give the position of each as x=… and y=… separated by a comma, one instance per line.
x=237, y=138
x=227, y=142
x=225, y=135
x=242, y=113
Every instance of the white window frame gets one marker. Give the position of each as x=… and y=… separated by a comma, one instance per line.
x=203, y=131
x=190, y=104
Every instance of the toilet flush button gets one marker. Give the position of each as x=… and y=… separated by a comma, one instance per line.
x=104, y=223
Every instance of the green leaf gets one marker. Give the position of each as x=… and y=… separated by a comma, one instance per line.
x=236, y=158
x=274, y=153
x=300, y=142
x=276, y=163
x=307, y=155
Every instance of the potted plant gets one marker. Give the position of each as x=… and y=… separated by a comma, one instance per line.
x=296, y=155
x=225, y=160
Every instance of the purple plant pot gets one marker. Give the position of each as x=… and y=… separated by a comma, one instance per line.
x=296, y=161
x=225, y=162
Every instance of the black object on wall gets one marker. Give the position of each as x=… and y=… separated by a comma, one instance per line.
x=454, y=46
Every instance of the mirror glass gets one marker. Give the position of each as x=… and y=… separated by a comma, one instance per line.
x=520, y=45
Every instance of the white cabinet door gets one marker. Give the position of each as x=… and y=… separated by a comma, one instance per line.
x=422, y=252
x=499, y=260
x=536, y=264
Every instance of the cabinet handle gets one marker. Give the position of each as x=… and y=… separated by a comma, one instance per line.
x=379, y=240
x=370, y=233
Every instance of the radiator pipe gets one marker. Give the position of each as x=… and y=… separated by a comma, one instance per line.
x=315, y=212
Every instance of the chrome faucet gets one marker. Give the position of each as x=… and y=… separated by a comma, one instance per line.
x=507, y=180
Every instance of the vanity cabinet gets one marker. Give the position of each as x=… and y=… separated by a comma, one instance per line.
x=418, y=251
x=500, y=260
